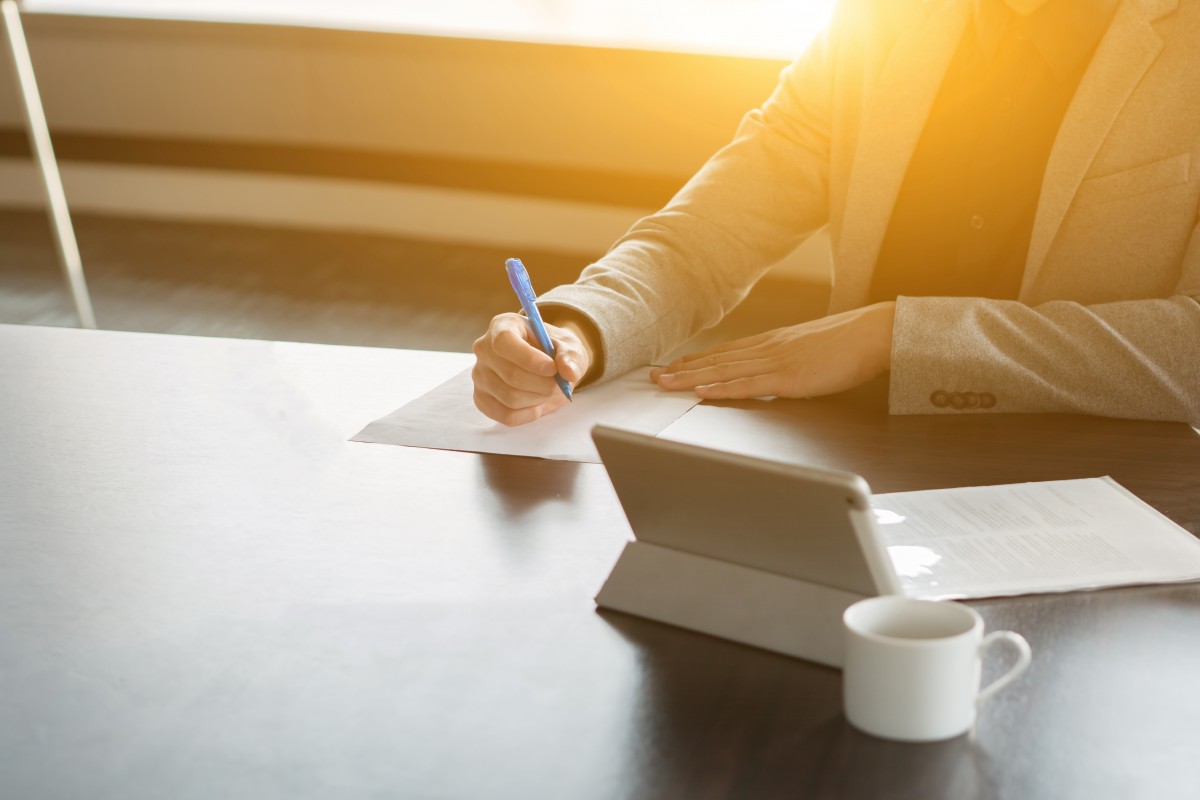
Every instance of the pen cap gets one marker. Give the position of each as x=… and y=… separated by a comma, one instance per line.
x=519, y=278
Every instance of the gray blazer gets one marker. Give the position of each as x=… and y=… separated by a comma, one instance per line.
x=1108, y=320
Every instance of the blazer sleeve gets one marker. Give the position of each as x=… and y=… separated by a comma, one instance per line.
x=683, y=268
x=1136, y=358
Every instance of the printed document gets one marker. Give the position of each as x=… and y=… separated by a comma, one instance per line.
x=1029, y=538
x=446, y=418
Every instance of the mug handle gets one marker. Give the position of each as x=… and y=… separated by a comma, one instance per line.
x=1024, y=658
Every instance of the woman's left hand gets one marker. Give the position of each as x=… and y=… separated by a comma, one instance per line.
x=824, y=356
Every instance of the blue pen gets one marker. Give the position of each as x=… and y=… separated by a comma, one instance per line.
x=519, y=279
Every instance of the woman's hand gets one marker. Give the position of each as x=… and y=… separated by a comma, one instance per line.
x=514, y=379
x=825, y=356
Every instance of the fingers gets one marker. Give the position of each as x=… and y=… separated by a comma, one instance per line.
x=748, y=343
x=511, y=339
x=819, y=357
x=739, y=388
x=494, y=409
x=749, y=349
x=514, y=379
x=509, y=374
x=752, y=354
x=520, y=390
x=567, y=361
x=720, y=372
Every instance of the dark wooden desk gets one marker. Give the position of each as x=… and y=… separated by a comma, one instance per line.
x=205, y=591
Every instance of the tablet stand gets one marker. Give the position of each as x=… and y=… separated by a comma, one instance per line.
x=763, y=609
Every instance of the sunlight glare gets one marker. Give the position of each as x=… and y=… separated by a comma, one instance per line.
x=911, y=561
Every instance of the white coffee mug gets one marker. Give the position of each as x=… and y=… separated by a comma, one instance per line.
x=912, y=667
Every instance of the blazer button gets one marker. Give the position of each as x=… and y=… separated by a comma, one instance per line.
x=957, y=400
x=972, y=399
x=987, y=400
x=940, y=398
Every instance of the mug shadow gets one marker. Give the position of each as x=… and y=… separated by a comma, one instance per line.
x=718, y=713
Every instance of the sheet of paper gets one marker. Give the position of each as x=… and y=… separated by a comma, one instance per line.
x=446, y=419
x=1030, y=538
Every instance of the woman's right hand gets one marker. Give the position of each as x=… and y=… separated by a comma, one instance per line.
x=514, y=379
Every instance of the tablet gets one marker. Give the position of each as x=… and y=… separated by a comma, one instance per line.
x=814, y=525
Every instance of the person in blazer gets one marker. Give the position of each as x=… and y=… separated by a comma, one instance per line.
x=1012, y=191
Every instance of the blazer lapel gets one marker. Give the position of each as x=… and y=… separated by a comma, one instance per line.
x=1127, y=50
x=897, y=108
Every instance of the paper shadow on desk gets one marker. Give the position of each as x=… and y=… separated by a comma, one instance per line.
x=523, y=484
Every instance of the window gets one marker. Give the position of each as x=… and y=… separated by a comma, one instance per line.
x=759, y=28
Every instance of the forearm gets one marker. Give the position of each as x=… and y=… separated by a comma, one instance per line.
x=682, y=269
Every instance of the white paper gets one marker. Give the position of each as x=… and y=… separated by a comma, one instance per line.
x=1030, y=538
x=446, y=419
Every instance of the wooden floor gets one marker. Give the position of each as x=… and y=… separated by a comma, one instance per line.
x=311, y=286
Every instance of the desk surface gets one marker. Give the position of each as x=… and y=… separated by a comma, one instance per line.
x=206, y=591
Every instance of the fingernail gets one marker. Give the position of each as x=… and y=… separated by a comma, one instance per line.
x=569, y=366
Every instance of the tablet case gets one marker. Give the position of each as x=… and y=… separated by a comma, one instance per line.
x=715, y=595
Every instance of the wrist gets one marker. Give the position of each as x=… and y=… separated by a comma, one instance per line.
x=588, y=342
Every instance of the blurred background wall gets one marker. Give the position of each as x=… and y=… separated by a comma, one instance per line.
x=456, y=138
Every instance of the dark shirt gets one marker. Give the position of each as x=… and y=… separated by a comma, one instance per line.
x=964, y=216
